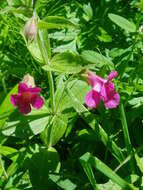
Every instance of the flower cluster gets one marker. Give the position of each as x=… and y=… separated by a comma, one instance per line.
x=27, y=96
x=102, y=89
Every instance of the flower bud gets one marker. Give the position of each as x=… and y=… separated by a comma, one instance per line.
x=30, y=29
x=29, y=80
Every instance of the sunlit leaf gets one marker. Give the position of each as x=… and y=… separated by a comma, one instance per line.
x=122, y=22
x=6, y=108
x=55, y=22
x=65, y=62
x=96, y=58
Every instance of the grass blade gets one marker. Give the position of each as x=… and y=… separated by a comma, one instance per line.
x=99, y=165
x=88, y=170
x=126, y=135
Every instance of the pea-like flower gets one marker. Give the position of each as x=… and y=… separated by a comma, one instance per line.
x=26, y=97
x=102, y=89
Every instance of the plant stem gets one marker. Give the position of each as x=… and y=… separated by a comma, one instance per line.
x=46, y=57
x=4, y=85
x=126, y=135
x=52, y=96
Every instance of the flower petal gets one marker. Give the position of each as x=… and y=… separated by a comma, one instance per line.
x=113, y=103
x=35, y=90
x=91, y=78
x=15, y=99
x=100, y=79
x=103, y=93
x=107, y=91
x=112, y=74
x=29, y=80
x=37, y=102
x=92, y=99
x=97, y=87
x=24, y=108
x=95, y=80
x=22, y=87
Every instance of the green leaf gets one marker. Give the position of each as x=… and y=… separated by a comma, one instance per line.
x=133, y=178
x=35, y=51
x=64, y=184
x=64, y=35
x=88, y=170
x=71, y=46
x=55, y=130
x=9, y=152
x=55, y=22
x=58, y=128
x=41, y=164
x=64, y=110
x=20, y=12
x=1, y=168
x=88, y=12
x=122, y=22
x=25, y=126
x=6, y=108
x=136, y=102
x=117, y=52
x=44, y=44
x=12, y=168
x=96, y=58
x=103, y=168
x=104, y=36
x=16, y=3
x=127, y=140
x=68, y=63
x=78, y=87
x=139, y=162
x=109, y=185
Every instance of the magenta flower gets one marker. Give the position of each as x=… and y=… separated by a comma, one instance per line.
x=102, y=89
x=26, y=97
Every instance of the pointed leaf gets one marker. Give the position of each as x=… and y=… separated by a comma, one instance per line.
x=6, y=108
x=96, y=58
x=122, y=22
x=55, y=22
x=68, y=63
x=99, y=165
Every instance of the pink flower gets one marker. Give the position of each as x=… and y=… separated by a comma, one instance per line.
x=102, y=89
x=26, y=97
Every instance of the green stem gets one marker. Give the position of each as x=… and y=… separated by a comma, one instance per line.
x=51, y=85
x=4, y=85
x=46, y=57
x=126, y=135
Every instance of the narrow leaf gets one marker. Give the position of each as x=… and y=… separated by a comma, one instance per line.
x=55, y=22
x=88, y=170
x=122, y=22
x=6, y=108
x=96, y=58
x=99, y=165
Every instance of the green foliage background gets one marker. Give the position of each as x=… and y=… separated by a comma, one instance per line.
x=87, y=145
